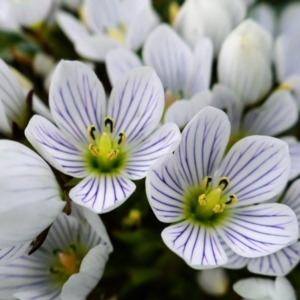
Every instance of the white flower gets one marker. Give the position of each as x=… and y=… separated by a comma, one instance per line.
x=197, y=18
x=265, y=289
x=29, y=199
x=114, y=24
x=106, y=147
x=212, y=201
x=245, y=61
x=67, y=266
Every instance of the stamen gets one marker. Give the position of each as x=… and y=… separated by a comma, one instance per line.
x=232, y=199
x=94, y=150
x=202, y=200
x=219, y=208
x=113, y=154
x=54, y=270
x=223, y=183
x=109, y=122
x=205, y=183
x=91, y=131
x=122, y=138
x=284, y=87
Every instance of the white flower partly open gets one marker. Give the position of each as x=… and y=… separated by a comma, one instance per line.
x=106, y=147
x=67, y=266
x=212, y=201
x=30, y=198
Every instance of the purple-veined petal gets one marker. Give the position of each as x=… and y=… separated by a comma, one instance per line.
x=9, y=254
x=199, y=78
x=102, y=193
x=181, y=112
x=277, y=264
x=202, y=145
x=102, y=14
x=294, y=151
x=198, y=246
x=72, y=28
x=225, y=99
x=284, y=289
x=276, y=115
x=257, y=168
x=260, y=230
x=59, y=149
x=136, y=104
x=30, y=196
x=120, y=61
x=140, y=27
x=96, y=47
x=293, y=84
x=170, y=56
x=165, y=189
x=5, y=127
x=44, y=293
x=79, y=285
x=141, y=157
x=77, y=99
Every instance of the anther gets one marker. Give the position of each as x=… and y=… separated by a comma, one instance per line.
x=109, y=122
x=223, y=183
x=91, y=131
x=94, y=150
x=113, y=154
x=205, y=183
x=219, y=208
x=232, y=199
x=53, y=270
x=122, y=138
x=202, y=200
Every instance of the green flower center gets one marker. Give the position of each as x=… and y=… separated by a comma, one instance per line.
x=106, y=154
x=207, y=205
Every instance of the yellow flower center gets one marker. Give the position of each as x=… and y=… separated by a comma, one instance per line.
x=284, y=87
x=118, y=33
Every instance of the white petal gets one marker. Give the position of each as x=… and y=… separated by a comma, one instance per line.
x=225, y=99
x=30, y=196
x=141, y=157
x=294, y=151
x=9, y=254
x=181, y=112
x=77, y=99
x=140, y=27
x=79, y=285
x=277, y=114
x=170, y=57
x=5, y=126
x=60, y=150
x=199, y=78
x=30, y=12
x=120, y=61
x=136, y=104
x=257, y=167
x=102, y=14
x=48, y=292
x=197, y=245
x=255, y=288
x=102, y=193
x=40, y=108
x=293, y=82
x=203, y=143
x=277, y=264
x=260, y=230
x=96, y=47
x=165, y=189
x=289, y=19
x=72, y=28
x=283, y=289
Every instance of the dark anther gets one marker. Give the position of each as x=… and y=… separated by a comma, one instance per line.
x=109, y=122
x=223, y=183
x=40, y=239
x=91, y=131
x=122, y=138
x=208, y=181
x=232, y=199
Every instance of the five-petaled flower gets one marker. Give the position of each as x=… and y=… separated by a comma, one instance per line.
x=212, y=201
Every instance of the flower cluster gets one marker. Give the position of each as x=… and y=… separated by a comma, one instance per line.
x=194, y=122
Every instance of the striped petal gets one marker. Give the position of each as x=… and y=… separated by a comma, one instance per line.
x=59, y=149
x=181, y=112
x=277, y=264
x=257, y=167
x=120, y=61
x=9, y=254
x=203, y=143
x=49, y=292
x=197, y=245
x=141, y=157
x=30, y=196
x=102, y=193
x=165, y=188
x=199, y=78
x=136, y=104
x=77, y=99
x=260, y=230
x=276, y=115
x=170, y=57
